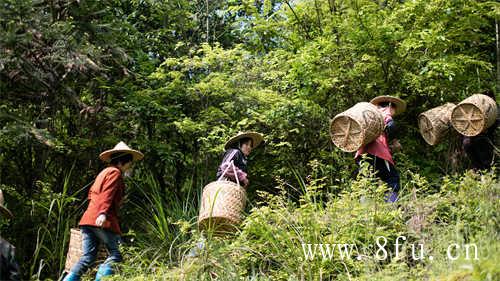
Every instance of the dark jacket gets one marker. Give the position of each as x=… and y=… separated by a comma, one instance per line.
x=480, y=148
x=9, y=269
x=391, y=130
x=237, y=156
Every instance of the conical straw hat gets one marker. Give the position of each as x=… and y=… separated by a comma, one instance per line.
x=4, y=211
x=398, y=103
x=256, y=139
x=121, y=147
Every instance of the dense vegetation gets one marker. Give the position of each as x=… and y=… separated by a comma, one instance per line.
x=175, y=79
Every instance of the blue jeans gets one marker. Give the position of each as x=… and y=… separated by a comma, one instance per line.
x=91, y=237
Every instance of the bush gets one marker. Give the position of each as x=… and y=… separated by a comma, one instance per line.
x=269, y=245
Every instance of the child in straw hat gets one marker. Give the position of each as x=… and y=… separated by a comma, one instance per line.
x=379, y=151
x=237, y=150
x=99, y=223
x=9, y=269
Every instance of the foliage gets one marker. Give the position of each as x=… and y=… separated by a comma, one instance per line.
x=175, y=79
x=269, y=244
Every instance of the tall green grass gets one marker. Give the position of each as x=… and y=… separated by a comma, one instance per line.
x=268, y=246
x=163, y=223
x=53, y=233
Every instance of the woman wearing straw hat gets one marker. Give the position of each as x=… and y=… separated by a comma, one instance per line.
x=99, y=223
x=379, y=151
x=234, y=165
x=237, y=150
x=9, y=269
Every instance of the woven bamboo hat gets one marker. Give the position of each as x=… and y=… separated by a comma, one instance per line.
x=398, y=103
x=121, y=147
x=4, y=211
x=256, y=139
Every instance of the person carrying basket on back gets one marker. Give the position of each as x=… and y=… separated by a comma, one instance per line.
x=99, y=223
x=481, y=149
x=379, y=152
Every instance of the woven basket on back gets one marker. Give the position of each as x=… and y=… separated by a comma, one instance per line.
x=221, y=206
x=75, y=250
x=434, y=123
x=357, y=126
x=474, y=115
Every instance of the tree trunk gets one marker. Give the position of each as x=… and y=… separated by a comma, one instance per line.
x=208, y=21
x=497, y=27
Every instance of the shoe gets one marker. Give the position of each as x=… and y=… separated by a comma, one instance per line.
x=391, y=197
x=71, y=277
x=104, y=270
x=196, y=250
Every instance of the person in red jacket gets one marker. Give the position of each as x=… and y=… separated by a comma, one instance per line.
x=379, y=152
x=99, y=223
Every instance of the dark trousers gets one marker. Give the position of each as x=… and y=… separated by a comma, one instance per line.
x=479, y=149
x=389, y=176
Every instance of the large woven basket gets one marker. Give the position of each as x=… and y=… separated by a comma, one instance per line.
x=434, y=123
x=221, y=208
x=474, y=115
x=75, y=250
x=357, y=126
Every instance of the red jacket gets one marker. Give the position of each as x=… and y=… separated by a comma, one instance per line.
x=105, y=197
x=379, y=147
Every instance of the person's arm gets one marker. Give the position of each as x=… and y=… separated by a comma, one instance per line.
x=14, y=271
x=9, y=268
x=108, y=190
x=243, y=178
x=466, y=142
x=390, y=129
x=229, y=156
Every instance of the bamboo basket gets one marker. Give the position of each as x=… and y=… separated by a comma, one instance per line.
x=435, y=123
x=357, y=126
x=75, y=250
x=222, y=204
x=474, y=115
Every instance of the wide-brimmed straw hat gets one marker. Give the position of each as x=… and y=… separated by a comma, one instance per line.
x=256, y=139
x=121, y=147
x=398, y=103
x=4, y=211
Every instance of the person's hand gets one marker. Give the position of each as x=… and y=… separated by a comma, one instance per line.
x=245, y=182
x=466, y=142
x=100, y=220
x=396, y=146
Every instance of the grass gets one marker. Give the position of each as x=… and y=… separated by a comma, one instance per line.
x=268, y=245
x=53, y=234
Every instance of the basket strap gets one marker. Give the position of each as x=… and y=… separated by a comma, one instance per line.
x=231, y=164
x=387, y=165
x=235, y=174
x=496, y=150
x=225, y=171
